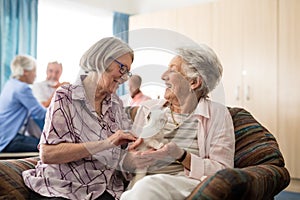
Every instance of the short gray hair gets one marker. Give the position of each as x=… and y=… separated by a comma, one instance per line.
x=21, y=63
x=202, y=62
x=101, y=54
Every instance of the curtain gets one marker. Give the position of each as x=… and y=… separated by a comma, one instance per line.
x=18, y=32
x=120, y=30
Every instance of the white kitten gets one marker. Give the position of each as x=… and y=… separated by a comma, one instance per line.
x=153, y=137
x=152, y=131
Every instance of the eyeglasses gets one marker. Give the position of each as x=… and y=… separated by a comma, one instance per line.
x=123, y=70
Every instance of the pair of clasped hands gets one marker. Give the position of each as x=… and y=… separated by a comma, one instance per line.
x=137, y=159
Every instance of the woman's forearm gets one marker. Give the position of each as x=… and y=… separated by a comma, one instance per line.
x=68, y=152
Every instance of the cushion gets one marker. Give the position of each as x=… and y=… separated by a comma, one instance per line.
x=259, y=171
x=254, y=143
x=17, y=155
x=11, y=180
x=254, y=182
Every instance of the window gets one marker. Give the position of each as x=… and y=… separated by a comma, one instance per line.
x=66, y=30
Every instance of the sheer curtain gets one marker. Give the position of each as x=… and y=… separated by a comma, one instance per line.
x=18, y=29
x=120, y=30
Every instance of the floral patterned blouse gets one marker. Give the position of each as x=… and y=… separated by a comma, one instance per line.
x=70, y=118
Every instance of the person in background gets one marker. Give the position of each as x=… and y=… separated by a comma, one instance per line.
x=136, y=94
x=199, y=132
x=18, y=107
x=81, y=142
x=44, y=90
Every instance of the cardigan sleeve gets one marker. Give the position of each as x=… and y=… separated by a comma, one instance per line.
x=216, y=144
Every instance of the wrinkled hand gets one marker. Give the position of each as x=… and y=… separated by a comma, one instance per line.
x=135, y=160
x=135, y=144
x=120, y=137
x=168, y=151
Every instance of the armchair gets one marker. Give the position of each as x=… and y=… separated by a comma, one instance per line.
x=258, y=172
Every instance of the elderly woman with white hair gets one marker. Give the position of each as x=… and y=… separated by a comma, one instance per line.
x=18, y=108
x=199, y=132
x=81, y=142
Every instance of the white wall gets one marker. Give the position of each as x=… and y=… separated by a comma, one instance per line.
x=66, y=30
x=139, y=6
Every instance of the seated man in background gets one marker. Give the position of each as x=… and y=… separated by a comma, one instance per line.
x=18, y=108
x=44, y=90
x=136, y=94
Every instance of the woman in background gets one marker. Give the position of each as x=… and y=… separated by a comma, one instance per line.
x=18, y=108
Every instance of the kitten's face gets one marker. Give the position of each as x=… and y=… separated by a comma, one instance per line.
x=156, y=118
x=155, y=122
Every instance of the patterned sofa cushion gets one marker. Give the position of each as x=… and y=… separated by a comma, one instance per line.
x=254, y=144
x=259, y=171
x=254, y=182
x=11, y=181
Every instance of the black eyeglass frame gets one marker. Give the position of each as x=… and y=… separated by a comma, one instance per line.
x=123, y=68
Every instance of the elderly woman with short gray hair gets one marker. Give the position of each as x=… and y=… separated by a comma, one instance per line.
x=198, y=132
x=81, y=142
x=18, y=108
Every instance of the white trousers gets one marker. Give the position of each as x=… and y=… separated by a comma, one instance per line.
x=162, y=187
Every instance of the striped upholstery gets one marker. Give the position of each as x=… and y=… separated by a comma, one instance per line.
x=11, y=181
x=259, y=171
